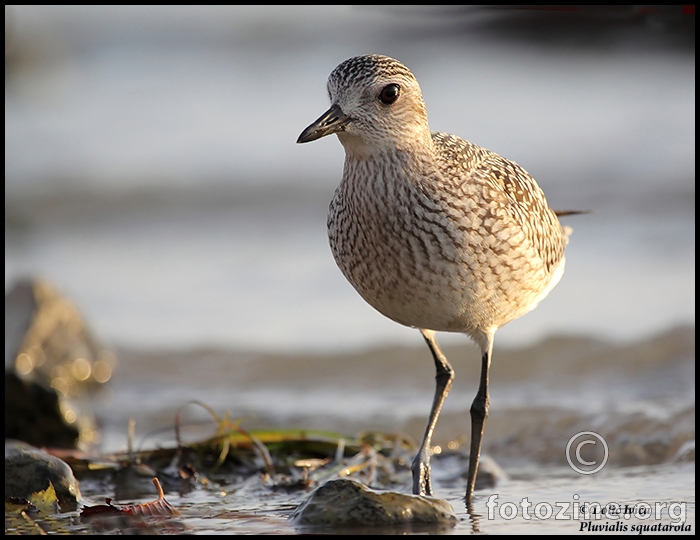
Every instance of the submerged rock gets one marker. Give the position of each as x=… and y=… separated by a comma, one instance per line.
x=344, y=502
x=452, y=468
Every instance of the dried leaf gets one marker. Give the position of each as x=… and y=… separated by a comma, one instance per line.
x=159, y=507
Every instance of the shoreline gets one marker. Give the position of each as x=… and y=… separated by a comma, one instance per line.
x=640, y=396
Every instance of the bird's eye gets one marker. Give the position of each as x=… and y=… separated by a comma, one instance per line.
x=389, y=94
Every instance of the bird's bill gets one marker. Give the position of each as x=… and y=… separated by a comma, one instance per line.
x=331, y=121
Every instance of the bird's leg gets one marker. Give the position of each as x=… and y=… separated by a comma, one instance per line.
x=443, y=381
x=479, y=412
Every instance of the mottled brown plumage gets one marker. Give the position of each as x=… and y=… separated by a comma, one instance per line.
x=433, y=231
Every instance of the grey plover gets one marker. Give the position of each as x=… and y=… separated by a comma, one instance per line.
x=433, y=231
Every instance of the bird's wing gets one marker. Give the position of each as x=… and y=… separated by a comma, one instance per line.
x=504, y=183
x=523, y=199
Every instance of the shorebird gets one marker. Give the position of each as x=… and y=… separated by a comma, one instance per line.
x=434, y=232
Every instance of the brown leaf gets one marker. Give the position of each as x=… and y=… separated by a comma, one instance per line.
x=159, y=507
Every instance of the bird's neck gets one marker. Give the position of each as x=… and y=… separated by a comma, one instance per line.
x=417, y=148
x=386, y=170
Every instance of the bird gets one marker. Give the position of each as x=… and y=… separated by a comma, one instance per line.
x=433, y=231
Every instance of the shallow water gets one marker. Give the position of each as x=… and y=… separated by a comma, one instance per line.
x=548, y=500
x=559, y=489
x=640, y=399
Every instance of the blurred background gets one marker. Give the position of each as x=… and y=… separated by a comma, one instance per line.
x=151, y=170
x=152, y=175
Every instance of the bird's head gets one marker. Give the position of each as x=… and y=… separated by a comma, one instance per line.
x=376, y=106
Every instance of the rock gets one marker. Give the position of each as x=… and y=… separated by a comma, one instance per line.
x=33, y=414
x=346, y=502
x=29, y=470
x=52, y=366
x=452, y=467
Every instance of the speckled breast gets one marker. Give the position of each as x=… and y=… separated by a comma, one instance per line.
x=427, y=266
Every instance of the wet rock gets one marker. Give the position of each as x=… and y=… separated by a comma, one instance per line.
x=344, y=502
x=52, y=365
x=488, y=474
x=29, y=470
x=134, y=480
x=33, y=414
x=452, y=467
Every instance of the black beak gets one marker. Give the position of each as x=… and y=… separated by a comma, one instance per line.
x=332, y=121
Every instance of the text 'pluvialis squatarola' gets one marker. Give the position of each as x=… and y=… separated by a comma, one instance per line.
x=433, y=231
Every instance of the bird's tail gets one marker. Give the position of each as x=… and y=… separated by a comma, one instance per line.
x=568, y=230
x=560, y=213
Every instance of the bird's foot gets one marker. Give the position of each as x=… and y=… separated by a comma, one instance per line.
x=421, y=477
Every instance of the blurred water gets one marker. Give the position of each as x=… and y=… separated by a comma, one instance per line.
x=640, y=397
x=151, y=173
x=151, y=170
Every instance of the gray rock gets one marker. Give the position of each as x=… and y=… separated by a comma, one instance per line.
x=452, y=468
x=29, y=470
x=345, y=502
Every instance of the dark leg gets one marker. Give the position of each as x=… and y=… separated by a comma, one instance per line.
x=479, y=413
x=443, y=381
